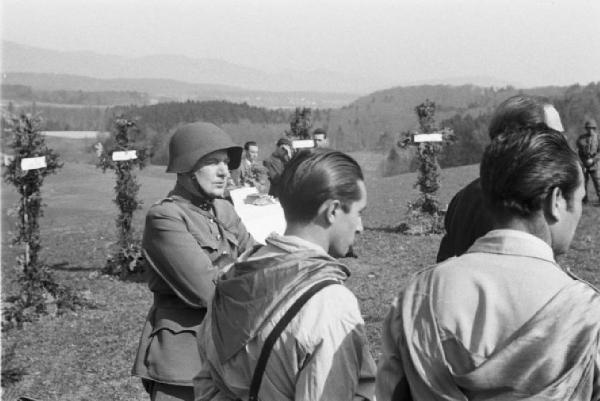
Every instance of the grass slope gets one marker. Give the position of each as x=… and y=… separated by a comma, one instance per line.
x=87, y=355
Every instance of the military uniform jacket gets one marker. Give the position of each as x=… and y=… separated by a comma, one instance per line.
x=589, y=151
x=185, y=241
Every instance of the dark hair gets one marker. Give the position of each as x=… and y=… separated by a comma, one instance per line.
x=248, y=144
x=522, y=166
x=320, y=131
x=283, y=141
x=517, y=111
x=314, y=176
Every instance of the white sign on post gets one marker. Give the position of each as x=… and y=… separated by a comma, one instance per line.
x=303, y=143
x=124, y=155
x=434, y=137
x=33, y=163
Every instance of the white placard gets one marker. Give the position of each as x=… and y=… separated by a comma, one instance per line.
x=435, y=137
x=33, y=163
x=124, y=155
x=303, y=143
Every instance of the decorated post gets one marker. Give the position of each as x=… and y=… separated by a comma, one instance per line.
x=425, y=213
x=300, y=124
x=31, y=163
x=122, y=155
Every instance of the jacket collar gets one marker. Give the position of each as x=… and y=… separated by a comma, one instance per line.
x=513, y=242
x=179, y=192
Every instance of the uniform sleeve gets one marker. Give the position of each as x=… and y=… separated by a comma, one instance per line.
x=339, y=365
x=391, y=380
x=178, y=258
x=245, y=239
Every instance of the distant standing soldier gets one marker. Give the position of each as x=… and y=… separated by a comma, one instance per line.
x=188, y=236
x=588, y=147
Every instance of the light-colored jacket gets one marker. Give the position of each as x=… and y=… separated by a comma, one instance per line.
x=501, y=322
x=321, y=355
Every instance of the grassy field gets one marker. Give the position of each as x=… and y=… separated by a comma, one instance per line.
x=87, y=355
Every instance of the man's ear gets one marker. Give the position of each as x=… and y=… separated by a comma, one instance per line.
x=555, y=204
x=330, y=209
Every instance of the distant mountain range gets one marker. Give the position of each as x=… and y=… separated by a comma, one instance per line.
x=162, y=90
x=175, y=71
x=20, y=58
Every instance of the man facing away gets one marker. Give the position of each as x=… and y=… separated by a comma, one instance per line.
x=503, y=321
x=466, y=218
x=322, y=354
x=276, y=163
x=188, y=236
x=588, y=147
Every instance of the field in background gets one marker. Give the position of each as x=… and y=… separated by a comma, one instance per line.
x=87, y=355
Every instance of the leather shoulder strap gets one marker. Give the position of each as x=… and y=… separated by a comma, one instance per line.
x=276, y=332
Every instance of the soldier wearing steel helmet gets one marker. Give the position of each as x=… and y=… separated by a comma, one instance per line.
x=588, y=147
x=188, y=237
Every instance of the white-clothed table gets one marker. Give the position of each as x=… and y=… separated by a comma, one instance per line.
x=261, y=220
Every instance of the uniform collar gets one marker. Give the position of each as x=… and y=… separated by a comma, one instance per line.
x=513, y=242
x=180, y=192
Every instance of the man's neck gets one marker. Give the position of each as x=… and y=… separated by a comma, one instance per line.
x=309, y=232
x=535, y=226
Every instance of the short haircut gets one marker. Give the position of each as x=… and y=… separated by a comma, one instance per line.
x=248, y=144
x=315, y=175
x=320, y=131
x=517, y=111
x=283, y=141
x=522, y=166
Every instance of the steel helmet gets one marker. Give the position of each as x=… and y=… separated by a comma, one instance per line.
x=190, y=142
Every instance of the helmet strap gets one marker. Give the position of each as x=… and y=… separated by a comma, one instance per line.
x=205, y=200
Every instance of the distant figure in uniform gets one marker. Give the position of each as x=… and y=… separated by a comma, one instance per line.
x=322, y=351
x=466, y=218
x=588, y=147
x=503, y=321
x=276, y=163
x=320, y=138
x=188, y=237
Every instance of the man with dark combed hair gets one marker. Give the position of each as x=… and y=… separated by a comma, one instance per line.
x=322, y=352
x=466, y=218
x=504, y=320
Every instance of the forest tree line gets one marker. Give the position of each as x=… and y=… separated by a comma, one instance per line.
x=371, y=123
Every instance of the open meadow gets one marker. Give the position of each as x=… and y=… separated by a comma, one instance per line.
x=87, y=355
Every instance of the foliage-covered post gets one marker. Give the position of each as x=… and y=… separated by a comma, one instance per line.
x=32, y=162
x=122, y=155
x=429, y=142
x=300, y=124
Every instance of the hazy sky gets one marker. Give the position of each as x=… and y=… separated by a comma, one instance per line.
x=526, y=42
